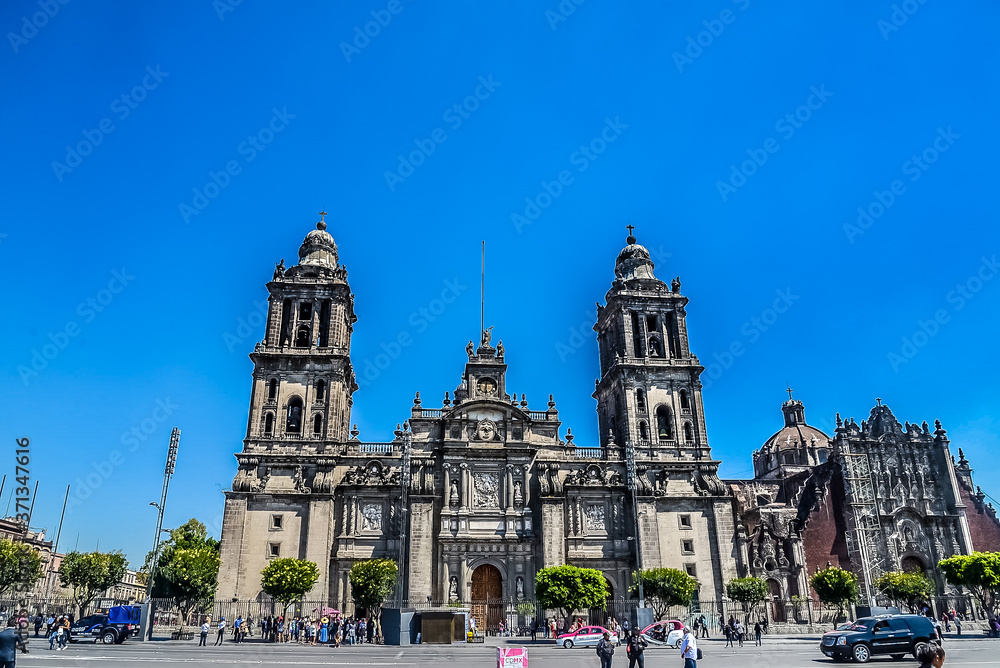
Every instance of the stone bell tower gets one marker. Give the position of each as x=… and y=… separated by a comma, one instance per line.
x=280, y=504
x=303, y=379
x=649, y=392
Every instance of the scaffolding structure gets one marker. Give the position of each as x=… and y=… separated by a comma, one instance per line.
x=866, y=541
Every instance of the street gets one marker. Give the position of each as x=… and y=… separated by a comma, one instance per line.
x=777, y=652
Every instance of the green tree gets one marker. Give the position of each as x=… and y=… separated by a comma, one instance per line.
x=568, y=589
x=978, y=572
x=835, y=586
x=20, y=566
x=664, y=587
x=188, y=568
x=372, y=583
x=287, y=580
x=750, y=592
x=909, y=589
x=90, y=573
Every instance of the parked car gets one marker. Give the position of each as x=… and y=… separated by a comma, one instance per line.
x=667, y=632
x=895, y=635
x=115, y=627
x=588, y=636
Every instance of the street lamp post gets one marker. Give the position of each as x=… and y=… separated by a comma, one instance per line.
x=631, y=481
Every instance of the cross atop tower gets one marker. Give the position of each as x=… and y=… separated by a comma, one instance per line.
x=630, y=228
x=631, y=237
x=878, y=400
x=323, y=216
x=789, y=390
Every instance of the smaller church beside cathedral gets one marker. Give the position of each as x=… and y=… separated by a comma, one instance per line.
x=479, y=490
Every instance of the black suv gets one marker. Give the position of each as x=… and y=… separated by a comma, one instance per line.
x=896, y=635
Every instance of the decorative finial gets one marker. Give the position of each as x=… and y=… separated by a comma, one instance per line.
x=630, y=239
x=878, y=400
x=321, y=225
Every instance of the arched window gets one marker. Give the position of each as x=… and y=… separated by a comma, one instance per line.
x=640, y=401
x=321, y=390
x=685, y=404
x=302, y=336
x=317, y=425
x=272, y=389
x=664, y=424
x=688, y=433
x=269, y=423
x=643, y=432
x=293, y=418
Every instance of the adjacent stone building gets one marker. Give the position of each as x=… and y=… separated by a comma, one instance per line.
x=479, y=490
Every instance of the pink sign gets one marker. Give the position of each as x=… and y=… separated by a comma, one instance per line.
x=512, y=657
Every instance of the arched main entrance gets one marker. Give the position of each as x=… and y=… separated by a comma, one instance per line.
x=487, y=597
x=777, y=605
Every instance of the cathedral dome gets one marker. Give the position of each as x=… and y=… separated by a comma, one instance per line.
x=796, y=433
x=319, y=248
x=634, y=262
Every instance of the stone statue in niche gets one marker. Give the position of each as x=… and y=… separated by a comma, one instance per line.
x=453, y=589
x=518, y=495
x=519, y=590
x=453, y=495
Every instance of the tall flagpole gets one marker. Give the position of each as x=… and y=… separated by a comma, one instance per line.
x=482, y=294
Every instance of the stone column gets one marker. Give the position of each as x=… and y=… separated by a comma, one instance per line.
x=466, y=501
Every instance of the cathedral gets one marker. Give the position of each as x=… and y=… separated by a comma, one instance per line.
x=478, y=492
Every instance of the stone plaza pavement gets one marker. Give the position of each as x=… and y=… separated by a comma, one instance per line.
x=777, y=652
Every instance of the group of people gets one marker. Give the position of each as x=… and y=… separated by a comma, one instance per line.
x=736, y=632
x=334, y=631
x=635, y=647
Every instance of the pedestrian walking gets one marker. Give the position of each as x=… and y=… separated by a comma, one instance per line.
x=38, y=625
x=634, y=649
x=472, y=626
x=729, y=635
x=206, y=626
x=937, y=630
x=64, y=638
x=958, y=625
x=605, y=650
x=222, y=631
x=704, y=626
x=740, y=632
x=10, y=642
x=534, y=630
x=756, y=632
x=689, y=649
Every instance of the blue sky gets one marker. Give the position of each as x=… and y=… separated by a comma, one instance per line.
x=159, y=159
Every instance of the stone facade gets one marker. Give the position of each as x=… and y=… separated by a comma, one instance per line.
x=477, y=492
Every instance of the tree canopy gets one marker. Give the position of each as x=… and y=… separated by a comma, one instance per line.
x=749, y=591
x=979, y=572
x=91, y=573
x=372, y=583
x=287, y=580
x=568, y=589
x=905, y=589
x=20, y=566
x=835, y=586
x=188, y=568
x=664, y=587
